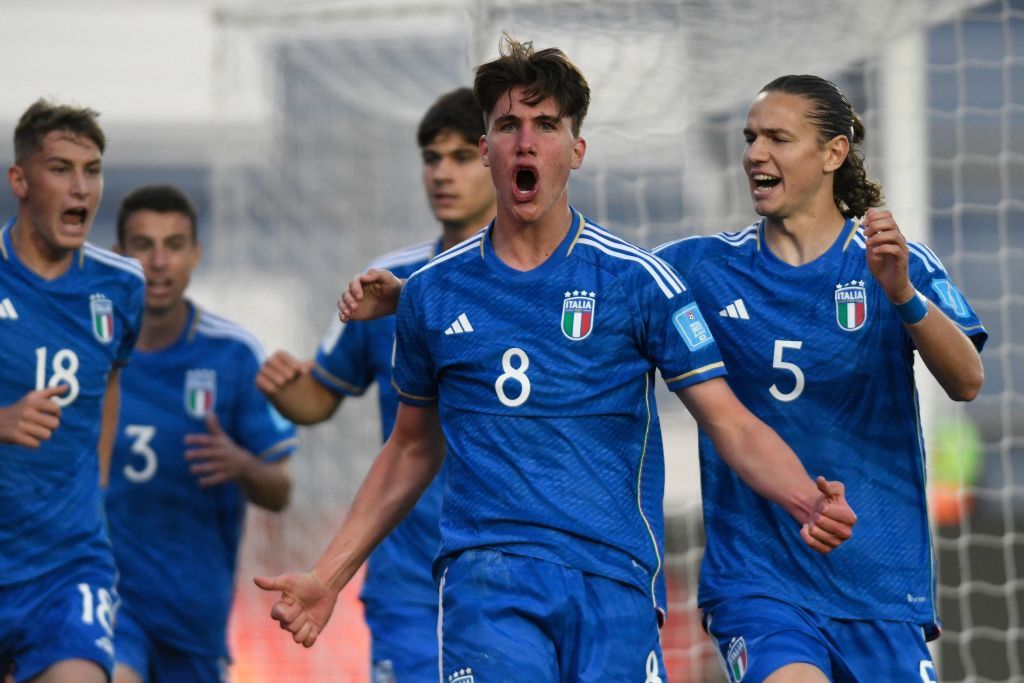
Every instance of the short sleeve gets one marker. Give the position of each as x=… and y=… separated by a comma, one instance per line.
x=931, y=279
x=344, y=359
x=413, y=372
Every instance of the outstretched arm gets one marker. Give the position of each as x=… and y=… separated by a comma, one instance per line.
x=288, y=383
x=945, y=349
x=373, y=294
x=769, y=466
x=402, y=471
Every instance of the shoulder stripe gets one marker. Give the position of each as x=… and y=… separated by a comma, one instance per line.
x=458, y=250
x=406, y=255
x=666, y=245
x=129, y=265
x=931, y=261
x=623, y=246
x=736, y=239
x=857, y=237
x=664, y=286
x=215, y=326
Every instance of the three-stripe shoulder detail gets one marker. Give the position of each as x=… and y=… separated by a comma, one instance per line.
x=129, y=265
x=667, y=280
x=213, y=325
x=470, y=245
x=738, y=238
x=406, y=255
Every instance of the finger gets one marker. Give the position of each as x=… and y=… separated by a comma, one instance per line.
x=44, y=403
x=814, y=543
x=213, y=423
x=53, y=392
x=27, y=440
x=37, y=431
x=215, y=479
x=303, y=634
x=200, y=440
x=824, y=537
x=832, y=489
x=832, y=527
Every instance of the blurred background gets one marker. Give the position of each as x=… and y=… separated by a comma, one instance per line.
x=292, y=127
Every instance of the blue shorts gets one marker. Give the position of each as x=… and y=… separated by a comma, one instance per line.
x=509, y=618
x=66, y=614
x=157, y=663
x=757, y=636
x=403, y=643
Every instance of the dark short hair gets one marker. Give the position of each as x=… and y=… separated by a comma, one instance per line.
x=543, y=74
x=456, y=111
x=158, y=198
x=832, y=114
x=43, y=117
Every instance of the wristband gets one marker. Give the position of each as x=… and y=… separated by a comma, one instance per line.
x=913, y=310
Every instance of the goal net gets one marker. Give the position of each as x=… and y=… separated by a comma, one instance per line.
x=317, y=172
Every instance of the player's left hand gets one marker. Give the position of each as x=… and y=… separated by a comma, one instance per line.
x=831, y=522
x=305, y=605
x=215, y=458
x=887, y=254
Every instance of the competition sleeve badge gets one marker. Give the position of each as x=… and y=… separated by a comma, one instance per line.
x=200, y=392
x=101, y=310
x=851, y=305
x=578, y=314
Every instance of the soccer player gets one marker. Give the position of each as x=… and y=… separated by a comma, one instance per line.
x=400, y=594
x=818, y=308
x=69, y=315
x=197, y=441
x=533, y=346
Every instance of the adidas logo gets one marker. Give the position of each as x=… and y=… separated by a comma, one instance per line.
x=7, y=311
x=737, y=309
x=460, y=326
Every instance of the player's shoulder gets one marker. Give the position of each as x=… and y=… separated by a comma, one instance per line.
x=720, y=244
x=103, y=262
x=628, y=262
x=467, y=251
x=210, y=328
x=406, y=260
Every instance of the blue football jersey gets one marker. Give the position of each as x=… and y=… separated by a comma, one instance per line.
x=819, y=353
x=175, y=542
x=69, y=330
x=545, y=383
x=350, y=358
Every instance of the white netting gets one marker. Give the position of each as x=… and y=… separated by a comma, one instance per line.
x=317, y=172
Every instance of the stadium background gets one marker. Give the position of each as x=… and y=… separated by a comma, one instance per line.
x=292, y=126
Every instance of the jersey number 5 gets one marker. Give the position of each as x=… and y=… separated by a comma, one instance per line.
x=780, y=346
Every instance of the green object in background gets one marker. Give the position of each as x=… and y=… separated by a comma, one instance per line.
x=955, y=451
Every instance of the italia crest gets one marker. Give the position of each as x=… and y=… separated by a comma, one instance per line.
x=461, y=676
x=578, y=314
x=851, y=305
x=101, y=314
x=200, y=392
x=736, y=659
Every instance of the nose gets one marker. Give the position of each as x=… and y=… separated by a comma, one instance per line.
x=525, y=140
x=756, y=150
x=442, y=170
x=158, y=257
x=80, y=184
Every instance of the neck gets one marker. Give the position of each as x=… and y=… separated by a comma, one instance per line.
x=801, y=239
x=38, y=256
x=523, y=244
x=160, y=329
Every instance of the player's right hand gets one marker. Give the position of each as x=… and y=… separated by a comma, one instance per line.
x=305, y=605
x=369, y=295
x=280, y=370
x=831, y=522
x=31, y=420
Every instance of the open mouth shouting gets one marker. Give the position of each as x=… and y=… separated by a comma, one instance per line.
x=764, y=183
x=74, y=218
x=525, y=183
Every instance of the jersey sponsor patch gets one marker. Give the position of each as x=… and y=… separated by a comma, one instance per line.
x=736, y=659
x=200, y=392
x=102, y=311
x=851, y=305
x=951, y=298
x=692, y=327
x=578, y=314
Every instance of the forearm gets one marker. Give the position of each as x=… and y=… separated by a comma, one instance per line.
x=108, y=426
x=305, y=401
x=949, y=354
x=402, y=471
x=267, y=485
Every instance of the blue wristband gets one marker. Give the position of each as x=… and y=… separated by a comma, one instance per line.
x=913, y=310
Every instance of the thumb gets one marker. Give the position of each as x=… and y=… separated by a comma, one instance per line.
x=269, y=583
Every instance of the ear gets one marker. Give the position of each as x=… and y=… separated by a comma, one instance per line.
x=483, y=151
x=836, y=151
x=579, y=148
x=18, y=182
